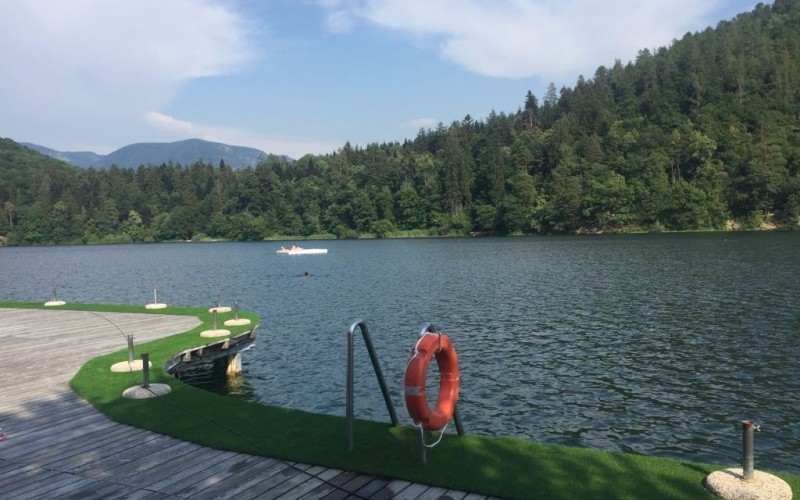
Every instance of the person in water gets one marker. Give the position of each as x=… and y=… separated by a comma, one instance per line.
x=306, y=275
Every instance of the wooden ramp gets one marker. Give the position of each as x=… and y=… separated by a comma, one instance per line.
x=58, y=446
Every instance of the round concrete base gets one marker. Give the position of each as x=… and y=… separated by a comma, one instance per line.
x=124, y=366
x=730, y=485
x=220, y=309
x=155, y=306
x=54, y=303
x=139, y=392
x=215, y=333
x=237, y=322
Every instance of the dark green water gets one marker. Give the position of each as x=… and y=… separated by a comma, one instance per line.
x=654, y=344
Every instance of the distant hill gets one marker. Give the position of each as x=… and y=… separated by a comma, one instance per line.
x=155, y=153
x=77, y=158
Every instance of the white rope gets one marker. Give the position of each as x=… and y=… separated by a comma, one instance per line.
x=422, y=435
x=410, y=359
x=416, y=350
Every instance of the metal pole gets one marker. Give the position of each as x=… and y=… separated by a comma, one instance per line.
x=235, y=309
x=215, y=319
x=373, y=356
x=54, y=295
x=457, y=420
x=350, y=376
x=130, y=348
x=155, y=296
x=748, y=462
x=145, y=370
x=423, y=450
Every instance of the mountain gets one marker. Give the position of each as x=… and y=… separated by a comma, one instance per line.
x=184, y=152
x=78, y=158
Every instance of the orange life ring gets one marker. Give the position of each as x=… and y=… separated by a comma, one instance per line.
x=427, y=346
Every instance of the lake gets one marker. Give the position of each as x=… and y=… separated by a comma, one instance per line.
x=656, y=344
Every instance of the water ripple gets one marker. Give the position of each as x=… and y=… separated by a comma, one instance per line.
x=643, y=344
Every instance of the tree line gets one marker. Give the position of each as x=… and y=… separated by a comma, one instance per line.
x=702, y=135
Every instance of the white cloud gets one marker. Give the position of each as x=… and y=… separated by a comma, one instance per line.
x=419, y=123
x=169, y=123
x=550, y=39
x=85, y=70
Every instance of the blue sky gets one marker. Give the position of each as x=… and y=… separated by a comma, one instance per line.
x=304, y=76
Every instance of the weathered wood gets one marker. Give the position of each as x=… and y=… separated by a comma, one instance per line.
x=58, y=446
x=208, y=353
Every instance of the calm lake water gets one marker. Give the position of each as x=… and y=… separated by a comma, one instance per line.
x=653, y=344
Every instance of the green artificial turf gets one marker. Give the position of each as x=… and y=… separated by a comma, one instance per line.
x=497, y=466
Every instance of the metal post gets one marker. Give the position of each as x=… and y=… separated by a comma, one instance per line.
x=748, y=462
x=214, y=314
x=349, y=402
x=236, y=309
x=423, y=450
x=130, y=348
x=54, y=295
x=145, y=370
x=155, y=296
x=373, y=356
x=457, y=420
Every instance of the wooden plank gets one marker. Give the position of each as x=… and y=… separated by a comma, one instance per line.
x=372, y=487
x=39, y=439
x=411, y=492
x=203, y=458
x=104, y=490
x=276, y=477
x=244, y=482
x=98, y=452
x=10, y=474
x=356, y=483
x=28, y=482
x=327, y=489
x=294, y=479
x=203, y=478
x=57, y=488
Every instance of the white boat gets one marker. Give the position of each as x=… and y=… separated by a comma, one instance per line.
x=295, y=250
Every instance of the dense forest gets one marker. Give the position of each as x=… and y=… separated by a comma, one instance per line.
x=703, y=134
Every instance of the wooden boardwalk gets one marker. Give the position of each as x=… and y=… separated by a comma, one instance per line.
x=58, y=446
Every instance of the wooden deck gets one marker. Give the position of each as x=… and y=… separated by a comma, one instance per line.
x=58, y=446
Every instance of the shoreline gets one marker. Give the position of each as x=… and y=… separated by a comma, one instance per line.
x=582, y=232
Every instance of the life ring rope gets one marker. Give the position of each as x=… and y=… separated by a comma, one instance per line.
x=422, y=435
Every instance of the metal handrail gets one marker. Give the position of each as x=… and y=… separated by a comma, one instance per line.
x=351, y=376
x=427, y=328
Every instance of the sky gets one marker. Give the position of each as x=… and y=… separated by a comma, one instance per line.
x=296, y=77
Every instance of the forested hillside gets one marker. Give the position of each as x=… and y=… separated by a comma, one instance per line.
x=701, y=135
